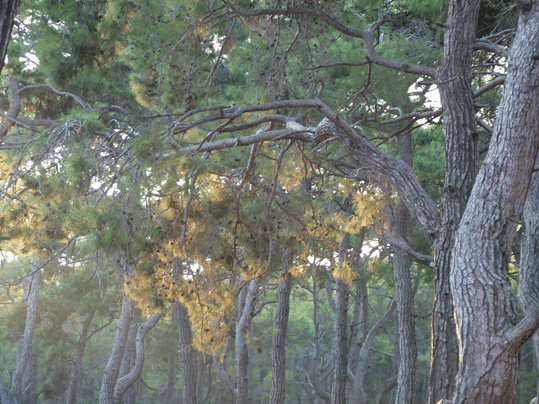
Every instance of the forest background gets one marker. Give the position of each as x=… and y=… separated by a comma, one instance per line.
x=259, y=201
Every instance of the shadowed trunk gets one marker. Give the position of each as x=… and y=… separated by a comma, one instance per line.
x=187, y=356
x=280, y=326
x=404, y=295
x=338, y=390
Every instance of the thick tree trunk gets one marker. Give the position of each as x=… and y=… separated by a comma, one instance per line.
x=187, y=356
x=528, y=285
x=23, y=387
x=247, y=301
x=404, y=296
x=455, y=77
x=489, y=341
x=280, y=326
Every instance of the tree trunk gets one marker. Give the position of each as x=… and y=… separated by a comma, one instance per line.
x=455, y=77
x=528, y=285
x=112, y=370
x=23, y=388
x=319, y=365
x=359, y=394
x=278, y=347
x=404, y=296
x=188, y=357
x=125, y=382
x=247, y=300
x=340, y=369
x=75, y=380
x=166, y=395
x=8, y=12
x=489, y=341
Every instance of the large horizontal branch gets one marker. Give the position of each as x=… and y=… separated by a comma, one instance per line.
x=399, y=174
x=367, y=36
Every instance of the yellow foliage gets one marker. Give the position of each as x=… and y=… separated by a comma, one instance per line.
x=344, y=271
x=368, y=209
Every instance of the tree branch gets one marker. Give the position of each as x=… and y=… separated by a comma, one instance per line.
x=367, y=36
x=522, y=332
x=403, y=245
x=127, y=381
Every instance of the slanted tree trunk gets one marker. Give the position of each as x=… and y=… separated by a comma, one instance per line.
x=489, y=341
x=358, y=393
x=23, y=387
x=247, y=300
x=280, y=326
x=528, y=284
x=404, y=296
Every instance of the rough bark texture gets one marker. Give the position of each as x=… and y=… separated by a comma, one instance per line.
x=485, y=314
x=22, y=384
x=404, y=296
x=278, y=347
x=188, y=357
x=247, y=302
x=455, y=77
x=528, y=285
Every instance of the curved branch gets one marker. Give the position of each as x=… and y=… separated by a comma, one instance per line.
x=127, y=381
x=367, y=36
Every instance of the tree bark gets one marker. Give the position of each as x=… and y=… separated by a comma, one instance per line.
x=489, y=341
x=340, y=369
x=404, y=296
x=247, y=300
x=528, y=283
x=188, y=357
x=455, y=77
x=280, y=326
x=22, y=385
